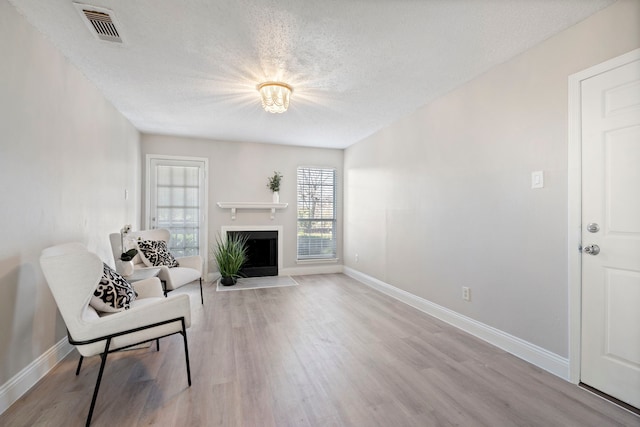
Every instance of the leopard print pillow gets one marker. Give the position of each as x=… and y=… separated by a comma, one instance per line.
x=156, y=253
x=113, y=293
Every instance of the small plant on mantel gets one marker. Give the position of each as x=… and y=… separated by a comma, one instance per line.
x=230, y=255
x=274, y=182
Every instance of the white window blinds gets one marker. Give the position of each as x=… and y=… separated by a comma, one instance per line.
x=316, y=213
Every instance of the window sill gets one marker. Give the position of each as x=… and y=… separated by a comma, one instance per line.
x=317, y=261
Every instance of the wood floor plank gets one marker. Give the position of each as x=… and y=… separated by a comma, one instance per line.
x=330, y=352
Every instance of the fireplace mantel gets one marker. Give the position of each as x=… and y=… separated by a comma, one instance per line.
x=234, y=206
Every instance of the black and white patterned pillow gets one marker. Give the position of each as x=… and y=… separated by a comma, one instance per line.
x=113, y=293
x=156, y=253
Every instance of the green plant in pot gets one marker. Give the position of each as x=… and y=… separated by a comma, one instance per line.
x=230, y=255
x=274, y=182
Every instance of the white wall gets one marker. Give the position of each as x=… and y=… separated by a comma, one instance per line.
x=442, y=199
x=238, y=172
x=66, y=157
x=439, y=200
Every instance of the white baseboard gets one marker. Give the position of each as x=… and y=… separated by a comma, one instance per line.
x=532, y=353
x=20, y=383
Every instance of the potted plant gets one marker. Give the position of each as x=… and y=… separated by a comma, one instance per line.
x=230, y=255
x=128, y=255
x=126, y=263
x=274, y=185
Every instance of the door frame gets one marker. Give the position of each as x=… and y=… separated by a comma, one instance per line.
x=204, y=242
x=574, y=179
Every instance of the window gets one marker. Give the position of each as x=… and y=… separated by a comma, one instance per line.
x=316, y=213
x=177, y=202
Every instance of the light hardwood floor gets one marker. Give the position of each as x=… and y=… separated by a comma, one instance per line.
x=331, y=352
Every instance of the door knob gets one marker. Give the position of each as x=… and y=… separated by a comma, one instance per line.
x=592, y=249
x=592, y=227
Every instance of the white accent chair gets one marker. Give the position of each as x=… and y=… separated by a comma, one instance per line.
x=190, y=268
x=73, y=273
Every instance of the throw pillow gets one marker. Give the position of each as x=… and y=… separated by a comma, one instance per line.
x=113, y=292
x=155, y=253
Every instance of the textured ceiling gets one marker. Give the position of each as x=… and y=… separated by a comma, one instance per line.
x=191, y=67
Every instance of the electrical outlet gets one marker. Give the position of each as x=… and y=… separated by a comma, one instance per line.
x=466, y=293
x=357, y=257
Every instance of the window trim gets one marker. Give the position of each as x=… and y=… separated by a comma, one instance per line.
x=204, y=229
x=332, y=258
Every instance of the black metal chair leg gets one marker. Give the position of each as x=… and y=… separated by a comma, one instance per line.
x=186, y=351
x=103, y=356
x=201, y=297
x=158, y=344
x=79, y=365
x=164, y=288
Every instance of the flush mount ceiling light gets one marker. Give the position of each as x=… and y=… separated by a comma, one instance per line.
x=275, y=96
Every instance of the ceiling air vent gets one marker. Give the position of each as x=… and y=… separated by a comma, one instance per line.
x=101, y=22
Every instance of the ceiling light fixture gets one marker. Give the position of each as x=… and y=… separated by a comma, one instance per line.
x=275, y=96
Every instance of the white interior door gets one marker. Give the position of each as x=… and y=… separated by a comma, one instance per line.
x=610, y=354
x=176, y=200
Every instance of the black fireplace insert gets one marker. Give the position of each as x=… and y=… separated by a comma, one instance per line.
x=262, y=253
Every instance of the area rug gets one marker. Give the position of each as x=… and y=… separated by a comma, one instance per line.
x=245, y=283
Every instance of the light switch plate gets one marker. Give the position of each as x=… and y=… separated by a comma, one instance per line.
x=537, y=179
